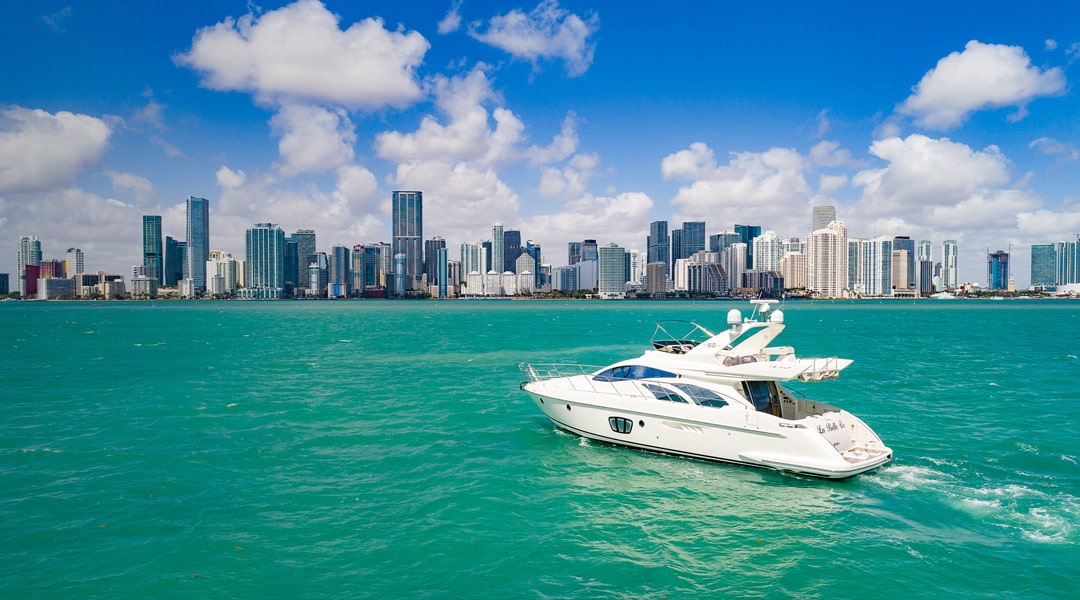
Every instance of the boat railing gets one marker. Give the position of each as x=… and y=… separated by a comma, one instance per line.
x=553, y=371
x=822, y=369
x=580, y=377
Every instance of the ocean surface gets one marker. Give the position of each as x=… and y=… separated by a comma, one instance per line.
x=381, y=449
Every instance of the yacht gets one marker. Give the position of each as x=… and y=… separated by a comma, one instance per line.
x=717, y=397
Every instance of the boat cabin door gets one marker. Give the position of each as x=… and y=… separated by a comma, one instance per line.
x=765, y=397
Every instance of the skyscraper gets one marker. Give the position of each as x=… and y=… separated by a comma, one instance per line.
x=767, y=252
x=198, y=241
x=431, y=259
x=498, y=248
x=589, y=251
x=612, y=272
x=29, y=256
x=153, y=254
x=340, y=271
x=573, y=253
x=305, y=247
x=949, y=253
x=408, y=232
x=1043, y=266
x=693, y=238
x=827, y=260
x=265, y=265
x=76, y=262
x=905, y=243
x=823, y=215
x=174, y=260
x=747, y=233
x=1068, y=261
x=997, y=270
x=659, y=244
x=511, y=249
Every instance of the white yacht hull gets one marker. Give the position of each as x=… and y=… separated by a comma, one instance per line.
x=731, y=434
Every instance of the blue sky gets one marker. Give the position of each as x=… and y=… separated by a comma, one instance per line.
x=567, y=120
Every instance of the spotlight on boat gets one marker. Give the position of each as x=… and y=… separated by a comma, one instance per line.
x=777, y=316
x=734, y=317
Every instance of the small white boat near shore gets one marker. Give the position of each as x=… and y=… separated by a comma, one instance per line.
x=717, y=397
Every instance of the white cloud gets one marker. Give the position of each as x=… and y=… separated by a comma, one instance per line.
x=767, y=187
x=313, y=139
x=139, y=187
x=452, y=21
x=546, y=32
x=621, y=219
x=925, y=172
x=107, y=230
x=982, y=76
x=227, y=178
x=829, y=154
x=41, y=151
x=827, y=184
x=570, y=181
x=1051, y=44
x=697, y=162
x=1051, y=146
x=298, y=53
x=563, y=145
x=351, y=213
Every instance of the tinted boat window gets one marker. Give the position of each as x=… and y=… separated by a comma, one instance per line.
x=663, y=393
x=702, y=396
x=631, y=372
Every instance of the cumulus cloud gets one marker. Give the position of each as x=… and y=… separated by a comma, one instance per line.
x=621, y=219
x=570, y=181
x=927, y=172
x=547, y=32
x=452, y=21
x=299, y=53
x=41, y=151
x=351, y=213
x=139, y=187
x=758, y=187
x=467, y=133
x=313, y=139
x=982, y=76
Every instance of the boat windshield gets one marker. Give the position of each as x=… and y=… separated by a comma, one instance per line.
x=631, y=372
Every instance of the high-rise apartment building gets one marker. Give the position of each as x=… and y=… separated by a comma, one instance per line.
x=611, y=282
x=511, y=249
x=589, y=251
x=153, y=248
x=1043, y=266
x=827, y=260
x=75, y=262
x=658, y=245
x=174, y=260
x=747, y=234
x=340, y=271
x=29, y=256
x=822, y=216
x=198, y=241
x=997, y=270
x=1068, y=262
x=693, y=238
x=473, y=258
x=408, y=236
x=498, y=258
x=949, y=255
x=676, y=245
x=573, y=253
x=431, y=259
x=719, y=241
x=305, y=247
x=265, y=265
x=768, y=250
x=906, y=244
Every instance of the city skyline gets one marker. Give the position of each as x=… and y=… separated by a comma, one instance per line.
x=552, y=119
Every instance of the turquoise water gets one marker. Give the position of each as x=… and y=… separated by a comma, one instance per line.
x=383, y=449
